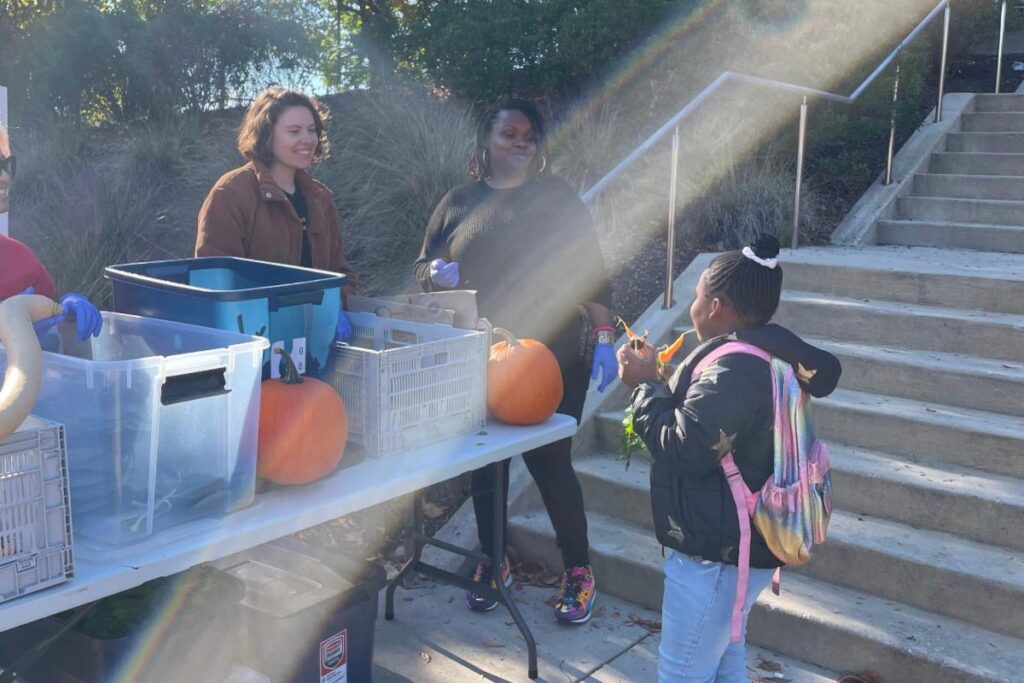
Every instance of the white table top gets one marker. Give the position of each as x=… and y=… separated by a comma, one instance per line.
x=278, y=513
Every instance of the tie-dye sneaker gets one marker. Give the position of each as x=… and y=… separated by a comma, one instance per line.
x=576, y=597
x=483, y=574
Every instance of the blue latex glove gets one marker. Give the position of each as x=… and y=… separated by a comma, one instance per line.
x=343, y=332
x=606, y=363
x=87, y=318
x=444, y=274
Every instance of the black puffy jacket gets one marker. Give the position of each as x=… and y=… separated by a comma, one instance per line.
x=688, y=427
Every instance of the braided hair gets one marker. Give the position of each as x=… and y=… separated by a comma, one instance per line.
x=479, y=164
x=753, y=289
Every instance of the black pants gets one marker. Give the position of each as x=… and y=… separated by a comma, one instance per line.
x=551, y=468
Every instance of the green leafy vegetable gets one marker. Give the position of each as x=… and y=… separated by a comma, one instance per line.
x=630, y=442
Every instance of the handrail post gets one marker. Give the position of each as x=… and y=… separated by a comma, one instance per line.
x=942, y=67
x=800, y=138
x=670, y=242
x=999, y=52
x=892, y=128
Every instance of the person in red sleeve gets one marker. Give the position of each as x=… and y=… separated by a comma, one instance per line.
x=21, y=272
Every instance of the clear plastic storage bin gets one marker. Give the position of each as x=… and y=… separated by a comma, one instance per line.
x=161, y=420
x=35, y=516
x=407, y=384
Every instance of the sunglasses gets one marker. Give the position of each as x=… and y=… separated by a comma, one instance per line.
x=7, y=164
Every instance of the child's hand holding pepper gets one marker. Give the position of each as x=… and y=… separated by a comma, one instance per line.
x=637, y=365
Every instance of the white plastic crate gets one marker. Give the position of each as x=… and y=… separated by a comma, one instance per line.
x=408, y=384
x=35, y=511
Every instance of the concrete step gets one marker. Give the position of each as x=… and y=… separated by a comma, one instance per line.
x=976, y=505
x=855, y=631
x=930, y=570
x=1005, y=238
x=969, y=186
x=972, y=503
x=992, y=122
x=928, y=433
x=978, y=211
x=985, y=142
x=793, y=670
x=977, y=163
x=999, y=103
x=901, y=325
x=829, y=626
x=612, y=489
x=965, y=381
x=931, y=277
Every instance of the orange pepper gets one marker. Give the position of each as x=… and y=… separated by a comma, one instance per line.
x=636, y=341
x=666, y=353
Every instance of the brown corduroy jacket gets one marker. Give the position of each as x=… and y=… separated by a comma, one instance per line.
x=247, y=214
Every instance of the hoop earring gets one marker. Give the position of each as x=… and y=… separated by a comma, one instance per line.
x=543, y=164
x=485, y=166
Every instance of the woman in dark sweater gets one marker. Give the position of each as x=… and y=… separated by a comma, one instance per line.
x=526, y=243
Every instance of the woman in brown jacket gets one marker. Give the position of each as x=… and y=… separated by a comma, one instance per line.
x=271, y=209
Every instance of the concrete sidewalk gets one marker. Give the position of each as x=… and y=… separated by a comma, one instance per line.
x=436, y=639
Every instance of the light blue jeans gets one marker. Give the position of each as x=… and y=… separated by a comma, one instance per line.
x=696, y=614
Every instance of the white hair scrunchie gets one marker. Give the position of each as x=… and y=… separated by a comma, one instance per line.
x=766, y=262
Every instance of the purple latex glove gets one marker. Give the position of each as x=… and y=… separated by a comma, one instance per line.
x=343, y=332
x=444, y=274
x=87, y=318
x=606, y=363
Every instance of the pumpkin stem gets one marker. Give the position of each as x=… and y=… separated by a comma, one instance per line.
x=289, y=373
x=509, y=338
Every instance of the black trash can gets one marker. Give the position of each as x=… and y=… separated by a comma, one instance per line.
x=308, y=614
x=168, y=629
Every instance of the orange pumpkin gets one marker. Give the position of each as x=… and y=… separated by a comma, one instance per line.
x=524, y=382
x=303, y=427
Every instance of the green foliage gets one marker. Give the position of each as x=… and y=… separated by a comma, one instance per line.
x=93, y=61
x=394, y=156
x=848, y=146
x=478, y=50
x=753, y=196
x=629, y=442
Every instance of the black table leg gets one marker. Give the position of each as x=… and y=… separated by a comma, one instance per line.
x=499, y=551
x=418, y=543
x=501, y=594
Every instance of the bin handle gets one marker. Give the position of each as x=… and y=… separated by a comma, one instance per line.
x=286, y=300
x=194, y=385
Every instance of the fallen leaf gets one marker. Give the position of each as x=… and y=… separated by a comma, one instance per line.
x=767, y=664
x=651, y=625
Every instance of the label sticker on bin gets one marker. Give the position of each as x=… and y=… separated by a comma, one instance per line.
x=298, y=355
x=334, y=658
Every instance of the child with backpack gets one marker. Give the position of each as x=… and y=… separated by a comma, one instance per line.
x=739, y=485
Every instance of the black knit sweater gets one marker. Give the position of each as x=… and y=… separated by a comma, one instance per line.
x=530, y=252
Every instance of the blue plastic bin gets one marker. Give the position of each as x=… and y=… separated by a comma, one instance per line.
x=288, y=305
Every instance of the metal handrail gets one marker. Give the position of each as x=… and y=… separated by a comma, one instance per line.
x=729, y=76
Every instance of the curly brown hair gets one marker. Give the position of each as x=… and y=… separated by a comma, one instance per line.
x=257, y=131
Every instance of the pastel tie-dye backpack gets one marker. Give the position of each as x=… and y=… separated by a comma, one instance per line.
x=792, y=509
